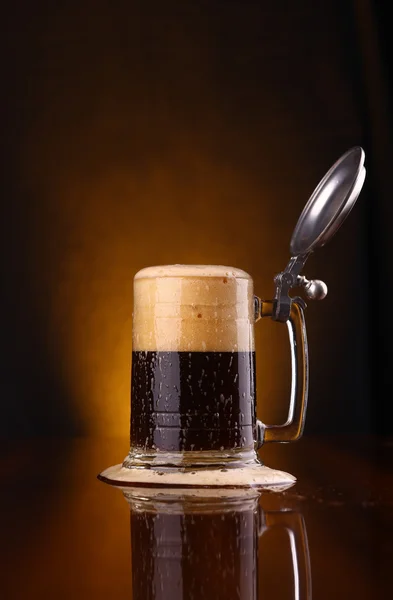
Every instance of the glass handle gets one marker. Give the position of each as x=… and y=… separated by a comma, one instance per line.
x=293, y=523
x=292, y=429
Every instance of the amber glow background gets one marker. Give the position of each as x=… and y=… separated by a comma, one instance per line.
x=153, y=133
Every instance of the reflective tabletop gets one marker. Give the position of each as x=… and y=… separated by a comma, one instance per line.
x=64, y=534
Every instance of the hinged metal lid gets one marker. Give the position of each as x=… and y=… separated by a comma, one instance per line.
x=324, y=213
x=330, y=203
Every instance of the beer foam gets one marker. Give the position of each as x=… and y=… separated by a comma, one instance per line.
x=193, y=308
x=191, y=271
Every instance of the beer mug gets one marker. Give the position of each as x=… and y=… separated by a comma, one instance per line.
x=193, y=396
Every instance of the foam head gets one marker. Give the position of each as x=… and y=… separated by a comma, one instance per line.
x=194, y=308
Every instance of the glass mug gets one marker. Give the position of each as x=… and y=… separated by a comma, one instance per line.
x=193, y=396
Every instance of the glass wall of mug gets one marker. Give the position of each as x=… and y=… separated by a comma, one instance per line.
x=193, y=391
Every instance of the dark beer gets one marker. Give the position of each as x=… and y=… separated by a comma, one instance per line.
x=193, y=401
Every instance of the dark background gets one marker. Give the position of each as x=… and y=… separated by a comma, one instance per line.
x=138, y=133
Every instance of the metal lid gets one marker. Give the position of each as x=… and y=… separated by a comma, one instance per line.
x=323, y=215
x=330, y=203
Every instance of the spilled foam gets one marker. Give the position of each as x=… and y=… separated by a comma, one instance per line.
x=257, y=475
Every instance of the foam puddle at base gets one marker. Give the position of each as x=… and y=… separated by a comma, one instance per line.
x=257, y=475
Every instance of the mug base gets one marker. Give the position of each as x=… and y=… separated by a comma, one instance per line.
x=255, y=475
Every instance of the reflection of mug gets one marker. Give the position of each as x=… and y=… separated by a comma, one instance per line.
x=201, y=547
x=193, y=399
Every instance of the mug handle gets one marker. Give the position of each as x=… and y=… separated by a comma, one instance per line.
x=293, y=523
x=292, y=429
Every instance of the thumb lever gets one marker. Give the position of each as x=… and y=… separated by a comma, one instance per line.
x=315, y=288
